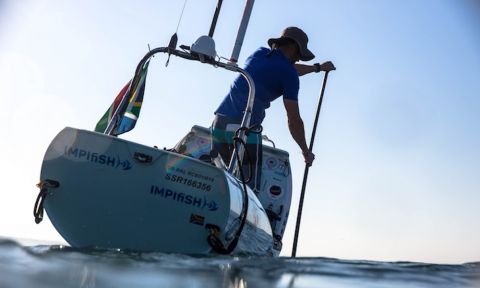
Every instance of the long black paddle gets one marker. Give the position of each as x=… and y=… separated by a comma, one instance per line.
x=305, y=174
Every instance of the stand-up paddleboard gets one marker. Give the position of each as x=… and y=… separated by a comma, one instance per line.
x=114, y=193
x=276, y=180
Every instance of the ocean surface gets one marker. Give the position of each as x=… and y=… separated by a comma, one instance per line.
x=55, y=266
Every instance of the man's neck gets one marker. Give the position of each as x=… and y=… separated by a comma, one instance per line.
x=286, y=54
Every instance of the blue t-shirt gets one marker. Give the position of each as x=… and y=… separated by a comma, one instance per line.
x=274, y=75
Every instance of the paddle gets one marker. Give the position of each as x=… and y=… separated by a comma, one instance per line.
x=305, y=174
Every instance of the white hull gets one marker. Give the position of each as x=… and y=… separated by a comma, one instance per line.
x=115, y=193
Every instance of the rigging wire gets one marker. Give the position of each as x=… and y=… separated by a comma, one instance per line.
x=181, y=15
x=172, y=45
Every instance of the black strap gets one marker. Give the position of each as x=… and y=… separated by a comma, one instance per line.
x=38, y=208
x=214, y=231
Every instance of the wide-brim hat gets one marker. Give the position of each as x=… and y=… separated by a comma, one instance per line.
x=297, y=35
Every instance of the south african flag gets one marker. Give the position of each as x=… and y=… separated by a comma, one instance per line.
x=131, y=108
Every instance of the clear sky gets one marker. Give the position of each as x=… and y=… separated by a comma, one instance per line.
x=397, y=172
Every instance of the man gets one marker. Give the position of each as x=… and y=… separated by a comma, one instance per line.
x=274, y=73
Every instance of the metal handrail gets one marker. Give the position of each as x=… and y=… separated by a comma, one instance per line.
x=189, y=56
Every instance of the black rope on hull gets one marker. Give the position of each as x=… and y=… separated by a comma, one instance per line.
x=44, y=185
x=214, y=231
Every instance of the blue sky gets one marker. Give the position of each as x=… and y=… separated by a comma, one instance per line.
x=398, y=161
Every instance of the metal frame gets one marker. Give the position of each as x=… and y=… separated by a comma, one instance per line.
x=186, y=55
x=231, y=65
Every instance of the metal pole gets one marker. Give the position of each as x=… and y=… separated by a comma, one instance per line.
x=246, y=117
x=215, y=18
x=241, y=31
x=305, y=174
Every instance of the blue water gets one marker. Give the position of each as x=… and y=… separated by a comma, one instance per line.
x=59, y=266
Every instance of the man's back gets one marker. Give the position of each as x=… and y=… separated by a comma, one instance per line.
x=273, y=74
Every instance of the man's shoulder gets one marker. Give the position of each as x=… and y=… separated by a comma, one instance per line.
x=273, y=58
x=267, y=55
x=258, y=56
x=261, y=51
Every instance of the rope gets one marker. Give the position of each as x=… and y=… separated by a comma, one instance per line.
x=38, y=207
x=214, y=237
x=257, y=129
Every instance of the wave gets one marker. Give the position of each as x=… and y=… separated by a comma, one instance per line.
x=63, y=266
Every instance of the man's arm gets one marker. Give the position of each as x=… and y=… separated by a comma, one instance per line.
x=295, y=125
x=303, y=69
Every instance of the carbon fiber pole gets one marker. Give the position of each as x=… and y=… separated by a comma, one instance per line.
x=305, y=174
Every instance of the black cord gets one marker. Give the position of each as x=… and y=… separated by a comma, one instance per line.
x=212, y=238
x=256, y=129
x=38, y=207
x=247, y=155
x=42, y=195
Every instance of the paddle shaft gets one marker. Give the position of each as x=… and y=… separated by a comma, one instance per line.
x=305, y=174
